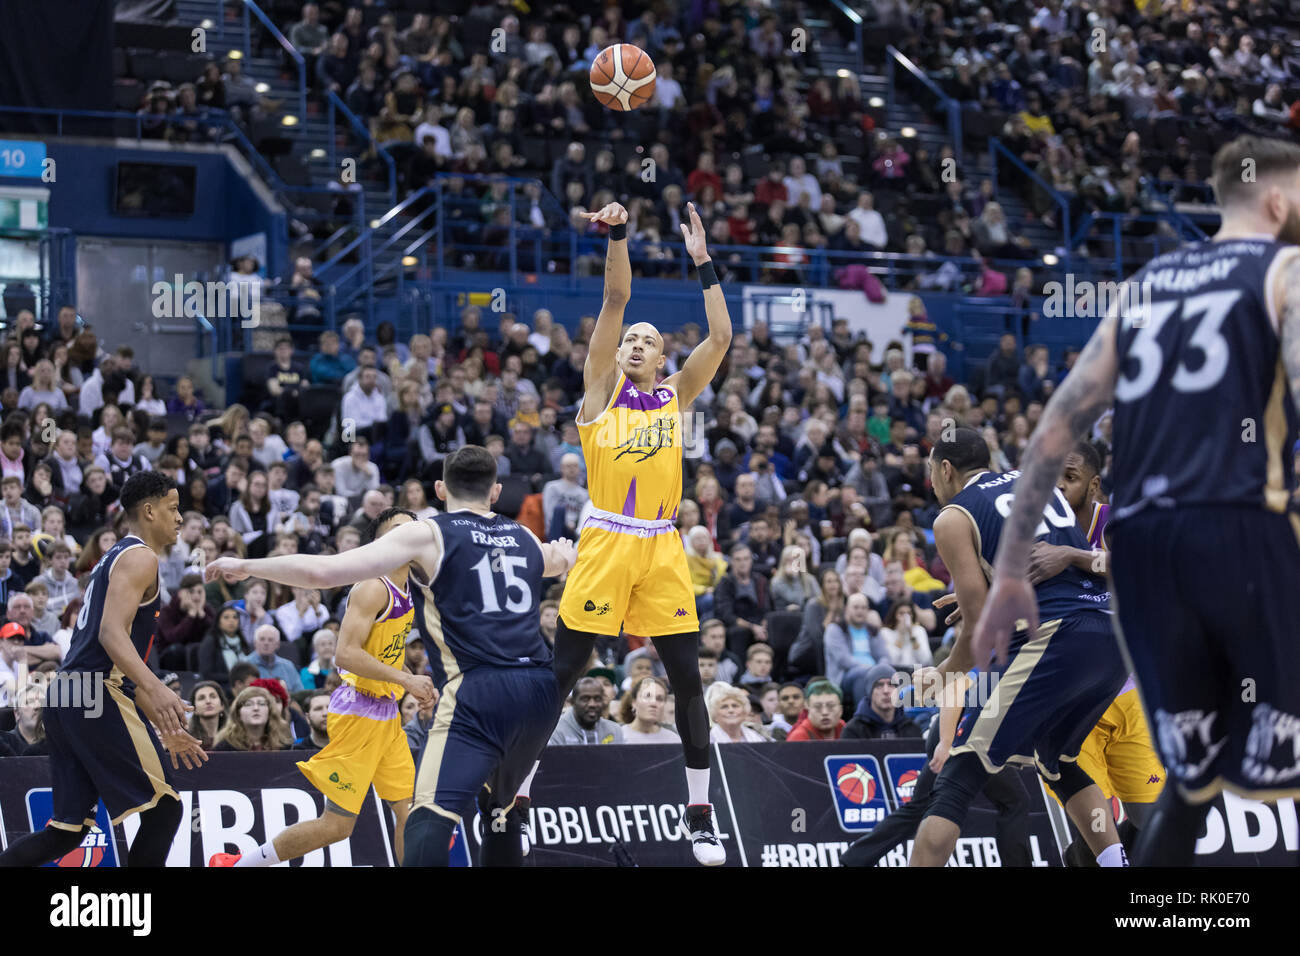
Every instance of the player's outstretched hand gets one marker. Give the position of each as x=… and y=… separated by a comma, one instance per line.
x=1047, y=561
x=694, y=236
x=567, y=550
x=188, y=749
x=1010, y=601
x=232, y=569
x=612, y=215
x=164, y=708
x=942, y=602
x=421, y=687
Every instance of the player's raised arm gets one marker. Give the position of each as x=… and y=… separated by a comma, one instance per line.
x=133, y=576
x=706, y=358
x=1287, y=294
x=601, y=370
x=413, y=541
x=1086, y=392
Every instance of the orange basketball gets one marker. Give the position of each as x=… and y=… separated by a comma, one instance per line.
x=623, y=77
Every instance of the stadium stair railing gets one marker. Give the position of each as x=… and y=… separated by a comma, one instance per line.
x=941, y=101
x=855, y=19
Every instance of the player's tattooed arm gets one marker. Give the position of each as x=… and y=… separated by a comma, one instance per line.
x=411, y=542
x=1085, y=394
x=706, y=358
x=1290, y=325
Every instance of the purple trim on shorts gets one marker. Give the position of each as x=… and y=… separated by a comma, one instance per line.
x=659, y=516
x=1130, y=684
x=630, y=397
x=347, y=701
x=636, y=530
x=629, y=505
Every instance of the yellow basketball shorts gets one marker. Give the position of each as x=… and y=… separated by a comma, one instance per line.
x=631, y=575
x=1119, y=756
x=367, y=746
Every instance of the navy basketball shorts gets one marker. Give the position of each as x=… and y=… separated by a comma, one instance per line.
x=1204, y=601
x=1047, y=698
x=490, y=725
x=103, y=749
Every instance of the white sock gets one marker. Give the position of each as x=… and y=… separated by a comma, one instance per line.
x=264, y=855
x=1113, y=855
x=697, y=785
x=527, y=785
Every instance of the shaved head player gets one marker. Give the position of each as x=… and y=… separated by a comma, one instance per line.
x=631, y=572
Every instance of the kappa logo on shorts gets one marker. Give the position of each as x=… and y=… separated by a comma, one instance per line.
x=680, y=612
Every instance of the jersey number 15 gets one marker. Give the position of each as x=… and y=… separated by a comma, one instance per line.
x=507, y=566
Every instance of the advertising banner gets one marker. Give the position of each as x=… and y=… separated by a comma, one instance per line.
x=778, y=804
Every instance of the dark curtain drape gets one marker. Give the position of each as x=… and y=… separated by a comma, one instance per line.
x=54, y=54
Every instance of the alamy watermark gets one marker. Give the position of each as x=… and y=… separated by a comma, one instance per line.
x=212, y=300
x=1087, y=299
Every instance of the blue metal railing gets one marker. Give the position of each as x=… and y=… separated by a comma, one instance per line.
x=207, y=333
x=363, y=132
x=213, y=118
x=893, y=61
x=996, y=150
x=252, y=8
x=855, y=18
x=1114, y=225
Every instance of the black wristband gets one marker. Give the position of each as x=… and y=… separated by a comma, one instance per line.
x=708, y=275
x=618, y=231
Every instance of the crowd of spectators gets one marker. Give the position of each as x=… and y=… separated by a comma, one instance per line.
x=805, y=516
x=1112, y=104
x=807, y=507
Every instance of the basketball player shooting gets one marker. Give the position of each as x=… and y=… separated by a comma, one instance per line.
x=631, y=572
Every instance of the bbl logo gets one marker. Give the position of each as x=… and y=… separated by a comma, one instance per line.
x=859, y=795
x=903, y=770
x=97, y=849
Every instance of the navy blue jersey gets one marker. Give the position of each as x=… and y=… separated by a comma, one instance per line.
x=1203, y=413
x=85, y=652
x=987, y=501
x=483, y=605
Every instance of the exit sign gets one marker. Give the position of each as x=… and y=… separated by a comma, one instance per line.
x=21, y=157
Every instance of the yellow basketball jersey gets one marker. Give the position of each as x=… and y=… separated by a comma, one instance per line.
x=633, y=450
x=386, y=643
